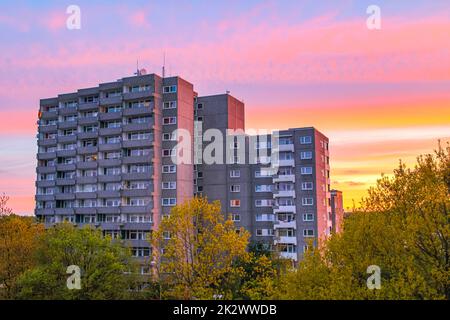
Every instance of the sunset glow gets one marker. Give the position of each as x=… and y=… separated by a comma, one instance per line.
x=379, y=95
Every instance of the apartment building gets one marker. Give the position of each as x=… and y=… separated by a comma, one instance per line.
x=105, y=158
x=337, y=210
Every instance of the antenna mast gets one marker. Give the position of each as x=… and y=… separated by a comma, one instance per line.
x=164, y=66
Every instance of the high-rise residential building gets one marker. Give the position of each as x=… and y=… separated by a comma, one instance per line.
x=105, y=157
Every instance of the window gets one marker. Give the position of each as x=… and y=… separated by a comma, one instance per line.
x=113, y=155
x=139, y=88
x=236, y=217
x=306, y=140
x=199, y=106
x=235, y=203
x=307, y=201
x=308, y=233
x=139, y=120
x=263, y=188
x=140, y=252
x=114, y=139
x=264, y=203
x=140, y=136
x=264, y=232
x=138, y=202
x=139, y=104
x=169, y=120
x=169, y=202
x=306, y=170
x=286, y=232
x=113, y=109
x=169, y=152
x=169, y=169
x=235, y=188
x=306, y=155
x=308, y=217
x=235, y=173
x=139, y=168
x=307, y=186
x=89, y=129
x=171, y=185
x=261, y=173
x=170, y=89
x=265, y=217
x=111, y=202
x=170, y=105
x=169, y=136
x=138, y=185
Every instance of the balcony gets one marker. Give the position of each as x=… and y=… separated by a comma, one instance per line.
x=285, y=224
x=287, y=163
x=111, y=100
x=86, y=195
x=284, y=194
x=289, y=255
x=110, y=131
x=67, y=125
x=284, y=178
x=110, y=116
x=64, y=211
x=67, y=111
x=86, y=210
x=66, y=153
x=137, y=193
x=138, y=143
x=45, y=197
x=138, y=126
x=87, y=180
x=285, y=240
x=137, y=209
x=286, y=147
x=49, y=169
x=87, y=120
x=88, y=106
x=138, y=159
x=138, y=176
x=86, y=165
x=137, y=95
x=47, y=115
x=44, y=212
x=65, y=196
x=108, y=210
x=47, y=142
x=45, y=183
x=106, y=179
x=87, y=135
x=87, y=150
x=66, y=167
x=67, y=139
x=138, y=111
x=46, y=129
x=109, y=162
x=109, y=146
x=65, y=182
x=285, y=209
x=46, y=155
x=108, y=194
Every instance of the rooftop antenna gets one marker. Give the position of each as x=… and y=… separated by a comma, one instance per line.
x=164, y=66
x=138, y=73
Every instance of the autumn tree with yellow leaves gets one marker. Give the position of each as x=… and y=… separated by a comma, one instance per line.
x=195, y=249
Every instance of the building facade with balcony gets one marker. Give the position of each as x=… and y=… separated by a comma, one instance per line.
x=105, y=159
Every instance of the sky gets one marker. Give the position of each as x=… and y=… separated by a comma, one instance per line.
x=379, y=95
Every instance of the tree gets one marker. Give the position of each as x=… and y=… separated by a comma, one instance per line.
x=4, y=209
x=402, y=227
x=104, y=265
x=196, y=248
x=17, y=244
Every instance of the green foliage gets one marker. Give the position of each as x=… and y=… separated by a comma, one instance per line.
x=403, y=227
x=18, y=237
x=103, y=265
x=199, y=257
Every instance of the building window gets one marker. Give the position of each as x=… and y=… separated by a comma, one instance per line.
x=235, y=188
x=199, y=106
x=264, y=203
x=169, y=120
x=236, y=217
x=169, y=168
x=168, y=152
x=170, y=89
x=235, y=173
x=306, y=170
x=170, y=105
x=235, y=203
x=306, y=155
x=307, y=186
x=306, y=140
x=308, y=233
x=169, y=136
x=262, y=173
x=171, y=185
x=308, y=217
x=263, y=188
x=169, y=202
x=307, y=201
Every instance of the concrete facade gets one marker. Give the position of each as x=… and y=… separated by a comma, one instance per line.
x=104, y=158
